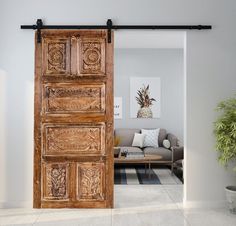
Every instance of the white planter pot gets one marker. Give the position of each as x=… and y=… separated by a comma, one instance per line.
x=231, y=198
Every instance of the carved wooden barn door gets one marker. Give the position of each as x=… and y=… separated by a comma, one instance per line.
x=73, y=135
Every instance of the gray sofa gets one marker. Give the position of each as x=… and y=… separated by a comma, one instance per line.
x=169, y=156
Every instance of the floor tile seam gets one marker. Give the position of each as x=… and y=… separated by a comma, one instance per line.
x=112, y=216
x=181, y=210
x=37, y=219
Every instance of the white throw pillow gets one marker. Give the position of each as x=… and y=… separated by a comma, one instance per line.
x=138, y=140
x=151, y=138
x=166, y=144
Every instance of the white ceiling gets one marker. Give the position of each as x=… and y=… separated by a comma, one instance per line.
x=128, y=39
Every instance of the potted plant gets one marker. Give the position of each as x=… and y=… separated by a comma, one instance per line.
x=145, y=102
x=225, y=133
x=117, y=141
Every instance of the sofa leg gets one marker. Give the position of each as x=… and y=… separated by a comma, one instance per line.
x=172, y=169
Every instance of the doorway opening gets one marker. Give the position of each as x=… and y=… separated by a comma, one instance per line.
x=149, y=102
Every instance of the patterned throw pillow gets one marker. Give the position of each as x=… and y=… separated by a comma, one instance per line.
x=151, y=138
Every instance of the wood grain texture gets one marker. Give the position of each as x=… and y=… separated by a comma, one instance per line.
x=68, y=97
x=73, y=133
x=37, y=124
x=80, y=139
x=92, y=56
x=56, y=56
x=110, y=124
x=90, y=182
x=55, y=182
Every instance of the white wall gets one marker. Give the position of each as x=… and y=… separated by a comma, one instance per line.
x=167, y=64
x=211, y=77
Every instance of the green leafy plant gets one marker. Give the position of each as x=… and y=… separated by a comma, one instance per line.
x=225, y=131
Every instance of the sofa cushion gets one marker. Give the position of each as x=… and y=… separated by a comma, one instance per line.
x=131, y=149
x=126, y=136
x=138, y=140
x=151, y=138
x=166, y=143
x=165, y=153
x=161, y=137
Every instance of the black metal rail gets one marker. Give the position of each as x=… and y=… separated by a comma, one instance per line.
x=109, y=26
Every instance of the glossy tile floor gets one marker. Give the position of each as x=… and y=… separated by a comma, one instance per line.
x=135, y=205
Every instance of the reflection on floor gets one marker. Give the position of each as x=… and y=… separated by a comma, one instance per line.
x=135, y=205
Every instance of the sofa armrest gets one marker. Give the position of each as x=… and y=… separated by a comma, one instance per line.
x=177, y=153
x=173, y=139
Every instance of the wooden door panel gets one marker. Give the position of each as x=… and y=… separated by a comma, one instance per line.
x=90, y=181
x=80, y=139
x=92, y=56
x=56, y=56
x=74, y=56
x=73, y=133
x=71, y=98
x=55, y=178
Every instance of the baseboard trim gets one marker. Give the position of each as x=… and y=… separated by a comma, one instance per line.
x=19, y=204
x=204, y=204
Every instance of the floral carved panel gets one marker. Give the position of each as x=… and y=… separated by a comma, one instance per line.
x=74, y=139
x=92, y=56
x=55, y=181
x=90, y=181
x=56, y=56
x=69, y=98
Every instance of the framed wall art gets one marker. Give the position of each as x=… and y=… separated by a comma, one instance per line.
x=145, y=97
